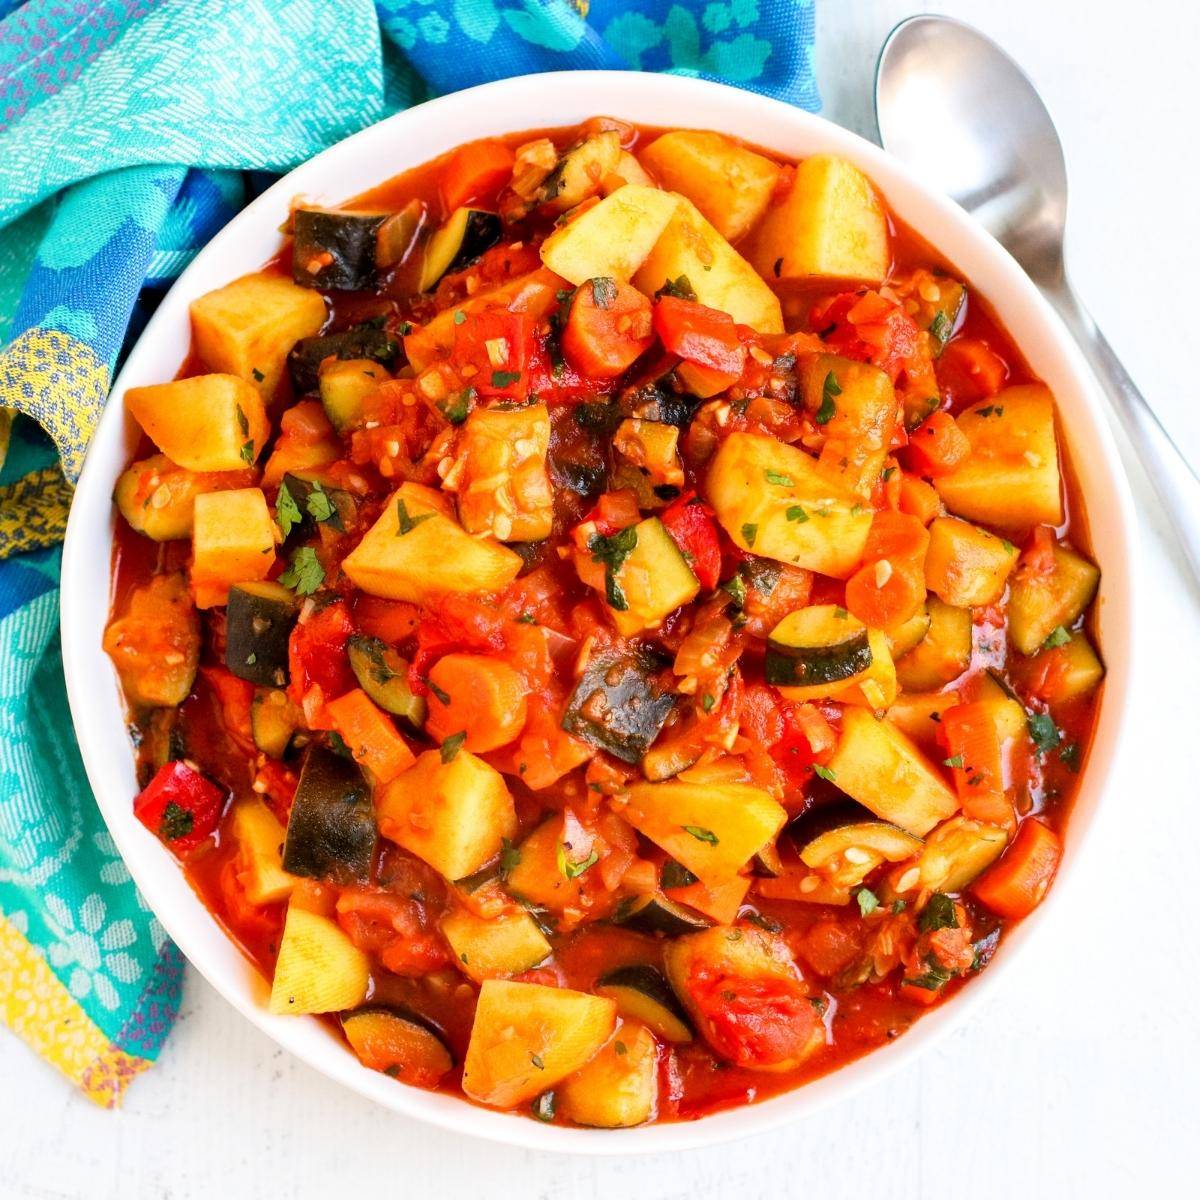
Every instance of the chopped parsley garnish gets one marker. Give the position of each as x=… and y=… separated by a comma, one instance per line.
x=955, y=761
x=247, y=452
x=243, y=422
x=318, y=504
x=1043, y=731
x=898, y=906
x=1009, y=548
x=572, y=870
x=781, y=480
x=777, y=267
x=510, y=858
x=1060, y=637
x=749, y=533
x=702, y=835
x=604, y=291
x=841, y=613
x=503, y=379
x=829, y=389
x=452, y=745
x=796, y=513
x=612, y=551
x=681, y=288
x=934, y=978
x=460, y=316
x=767, y=923
x=544, y=1106
x=258, y=375
x=938, y=913
x=940, y=327
x=287, y=511
x=824, y=772
x=407, y=522
x=338, y=744
x=620, y=1048
x=868, y=902
x=443, y=696
x=736, y=587
x=888, y=472
x=708, y=702
x=1069, y=756
x=176, y=822
x=456, y=411
x=305, y=573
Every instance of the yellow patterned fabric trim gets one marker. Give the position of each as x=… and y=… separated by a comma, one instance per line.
x=33, y=511
x=60, y=382
x=36, y=1007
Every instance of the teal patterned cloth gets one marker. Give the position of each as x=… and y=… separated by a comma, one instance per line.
x=130, y=132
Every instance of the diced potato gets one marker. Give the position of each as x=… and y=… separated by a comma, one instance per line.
x=580, y=172
x=809, y=521
x=720, y=277
x=506, y=944
x=1040, y=602
x=859, y=433
x=500, y=474
x=883, y=770
x=435, y=556
x=917, y=714
x=1011, y=477
x=942, y=655
x=319, y=969
x=248, y=327
x=966, y=566
x=1072, y=669
x=157, y=497
x=205, y=423
x=528, y=1038
x=628, y=170
x=729, y=184
x=613, y=237
x=957, y=851
x=155, y=644
x=233, y=541
x=875, y=687
x=535, y=294
x=618, y=1088
x=259, y=837
x=649, y=453
x=831, y=225
x=714, y=830
x=454, y=815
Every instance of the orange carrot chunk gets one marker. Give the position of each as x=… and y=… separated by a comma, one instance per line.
x=481, y=698
x=1014, y=887
x=370, y=735
x=972, y=743
x=476, y=171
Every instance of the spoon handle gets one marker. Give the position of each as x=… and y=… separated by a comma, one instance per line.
x=1173, y=477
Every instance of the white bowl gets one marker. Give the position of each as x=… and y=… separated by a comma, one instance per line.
x=366, y=159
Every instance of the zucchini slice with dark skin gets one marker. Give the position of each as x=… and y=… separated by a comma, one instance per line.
x=816, y=645
x=383, y=675
x=340, y=506
x=399, y=1043
x=657, y=914
x=258, y=623
x=617, y=705
x=654, y=403
x=676, y=875
x=274, y=720
x=331, y=831
x=367, y=340
x=643, y=994
x=335, y=249
x=463, y=238
x=766, y=863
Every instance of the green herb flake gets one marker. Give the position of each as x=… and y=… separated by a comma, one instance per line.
x=841, y=613
x=406, y=523
x=868, y=902
x=888, y=472
x=708, y=702
x=766, y=923
x=510, y=858
x=702, y=835
x=777, y=478
x=1068, y=755
x=287, y=511
x=176, y=822
x=318, y=504
x=572, y=870
x=681, y=288
x=338, y=744
x=824, y=772
x=247, y=452
x=829, y=389
x=457, y=410
x=442, y=696
x=939, y=913
x=1009, y=548
x=1060, y=637
x=749, y=533
x=243, y=422
x=898, y=906
x=452, y=745
x=503, y=379
x=935, y=977
x=305, y=573
x=736, y=587
x=1044, y=732
x=940, y=328
x=956, y=761
x=797, y=514
x=544, y=1107
x=620, y=1048
x=537, y=1062
x=460, y=316
x=612, y=552
x=604, y=291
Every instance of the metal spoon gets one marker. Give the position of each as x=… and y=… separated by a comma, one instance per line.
x=994, y=149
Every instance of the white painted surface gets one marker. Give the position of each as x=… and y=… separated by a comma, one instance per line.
x=1082, y=1077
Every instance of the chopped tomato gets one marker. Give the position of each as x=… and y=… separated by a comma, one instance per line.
x=248, y=918
x=972, y=743
x=970, y=370
x=234, y=697
x=868, y=327
x=937, y=445
x=491, y=352
x=391, y=621
x=317, y=658
x=689, y=521
x=181, y=806
x=609, y=326
x=700, y=335
x=475, y=172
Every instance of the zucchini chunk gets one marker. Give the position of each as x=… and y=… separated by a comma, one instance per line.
x=398, y=1043
x=652, y=580
x=259, y=837
x=233, y=541
x=772, y=499
x=844, y=848
x=490, y=949
x=319, y=969
x=723, y=975
x=611, y=238
x=366, y=341
x=248, y=327
x=454, y=813
x=335, y=250
x=331, y=829
x=1011, y=477
x=942, y=655
x=657, y=914
x=258, y=624
x=719, y=276
x=343, y=505
x=712, y=829
x=957, y=852
x=643, y=994
x=274, y=720
x=416, y=552
x=157, y=497
x=203, y=423
x=1075, y=669
x=1039, y=603
x=649, y=461
x=909, y=634
x=618, y=1088
x=463, y=238
x=344, y=385
x=965, y=566
x=617, y=705
x=878, y=766
x=729, y=184
x=527, y=1038
x=830, y=225
x=383, y=675
x=580, y=172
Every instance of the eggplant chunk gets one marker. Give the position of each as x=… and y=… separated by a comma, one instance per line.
x=259, y=622
x=331, y=832
x=335, y=249
x=368, y=340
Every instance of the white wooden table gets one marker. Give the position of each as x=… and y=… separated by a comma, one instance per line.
x=1082, y=1077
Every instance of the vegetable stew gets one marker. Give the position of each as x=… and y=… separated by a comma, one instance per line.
x=605, y=619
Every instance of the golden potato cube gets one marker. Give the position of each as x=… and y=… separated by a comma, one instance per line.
x=233, y=541
x=248, y=327
x=966, y=566
x=831, y=225
x=319, y=969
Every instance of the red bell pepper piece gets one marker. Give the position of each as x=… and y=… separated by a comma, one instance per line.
x=317, y=655
x=689, y=521
x=700, y=335
x=180, y=805
x=491, y=352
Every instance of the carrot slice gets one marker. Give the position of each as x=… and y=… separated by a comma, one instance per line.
x=1016, y=884
x=370, y=735
x=482, y=698
x=937, y=445
x=968, y=733
x=608, y=328
x=918, y=498
x=476, y=171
